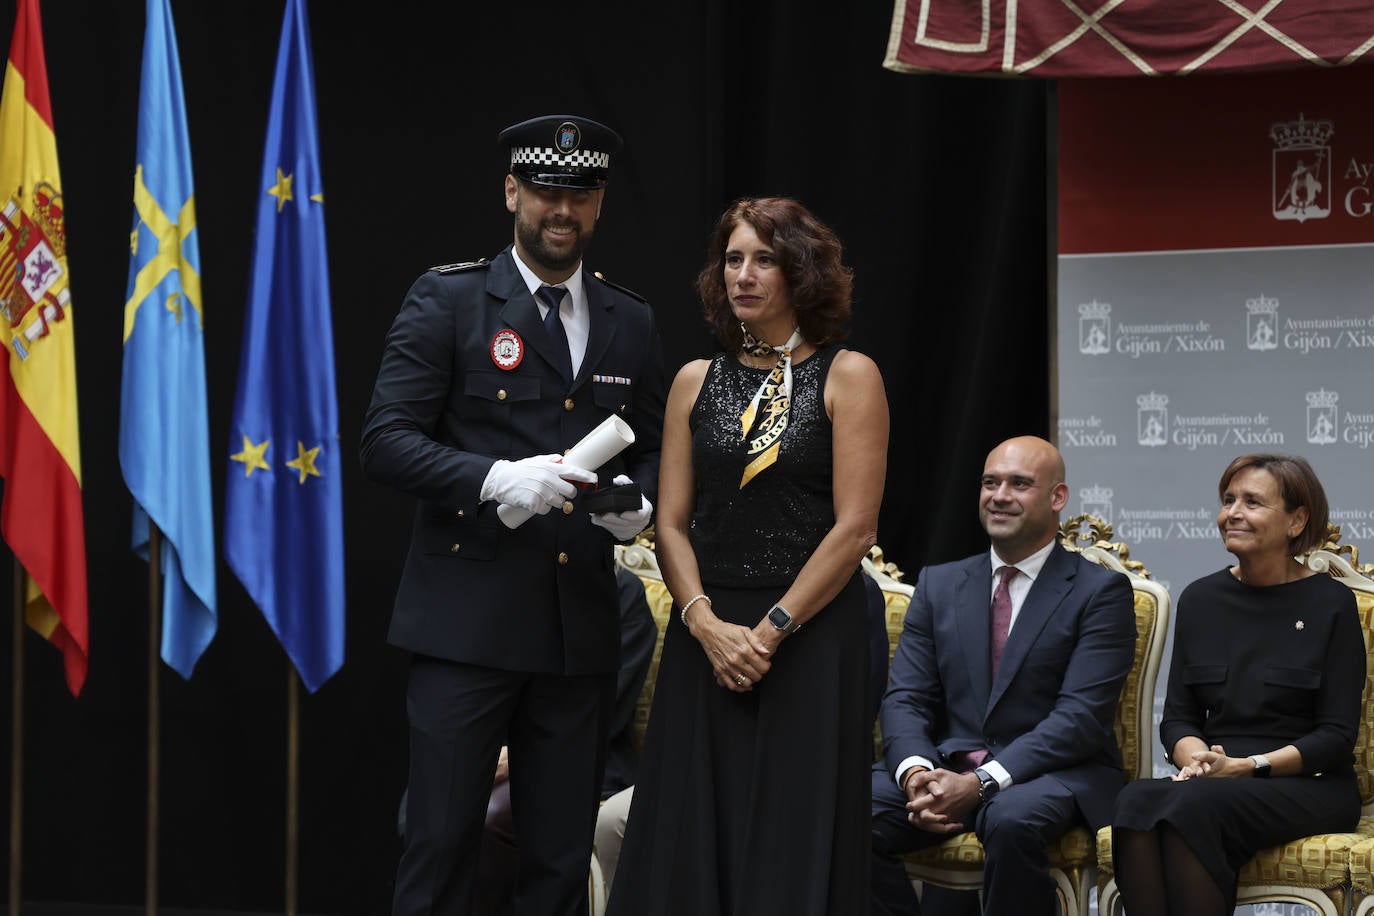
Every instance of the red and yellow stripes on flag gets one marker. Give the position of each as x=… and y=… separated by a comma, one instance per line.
x=40, y=456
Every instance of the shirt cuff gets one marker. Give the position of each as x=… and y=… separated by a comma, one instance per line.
x=997, y=772
x=913, y=761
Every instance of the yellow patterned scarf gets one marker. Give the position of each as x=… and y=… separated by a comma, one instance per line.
x=762, y=428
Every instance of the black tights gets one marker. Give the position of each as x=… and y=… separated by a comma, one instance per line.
x=1158, y=875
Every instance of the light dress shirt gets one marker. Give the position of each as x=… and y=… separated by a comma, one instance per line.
x=576, y=315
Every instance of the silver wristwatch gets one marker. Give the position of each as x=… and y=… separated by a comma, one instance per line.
x=988, y=786
x=781, y=620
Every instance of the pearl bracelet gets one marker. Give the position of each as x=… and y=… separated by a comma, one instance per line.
x=692, y=601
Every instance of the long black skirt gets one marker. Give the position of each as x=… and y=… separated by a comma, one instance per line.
x=755, y=804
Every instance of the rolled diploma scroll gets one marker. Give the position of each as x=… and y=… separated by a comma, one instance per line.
x=596, y=448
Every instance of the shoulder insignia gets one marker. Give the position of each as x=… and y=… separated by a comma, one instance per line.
x=629, y=292
x=460, y=266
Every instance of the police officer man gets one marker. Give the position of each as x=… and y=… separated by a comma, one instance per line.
x=492, y=370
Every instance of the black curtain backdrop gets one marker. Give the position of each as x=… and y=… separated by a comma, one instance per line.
x=937, y=185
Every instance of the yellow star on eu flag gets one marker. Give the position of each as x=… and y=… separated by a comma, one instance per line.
x=304, y=461
x=282, y=189
x=252, y=456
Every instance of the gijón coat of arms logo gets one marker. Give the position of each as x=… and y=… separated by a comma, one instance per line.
x=1302, y=169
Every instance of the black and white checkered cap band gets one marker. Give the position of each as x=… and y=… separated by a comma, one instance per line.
x=547, y=155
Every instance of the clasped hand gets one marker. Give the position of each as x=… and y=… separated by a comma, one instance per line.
x=1214, y=763
x=739, y=658
x=938, y=800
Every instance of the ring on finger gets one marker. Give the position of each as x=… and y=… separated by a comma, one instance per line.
x=741, y=680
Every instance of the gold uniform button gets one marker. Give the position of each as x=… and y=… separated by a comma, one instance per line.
x=501, y=395
x=562, y=559
x=568, y=404
x=567, y=507
x=453, y=549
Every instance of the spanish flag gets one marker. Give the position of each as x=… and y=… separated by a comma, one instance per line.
x=40, y=455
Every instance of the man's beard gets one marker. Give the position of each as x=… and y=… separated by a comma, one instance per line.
x=531, y=238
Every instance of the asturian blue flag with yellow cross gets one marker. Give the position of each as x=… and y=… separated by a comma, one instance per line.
x=164, y=438
x=283, y=517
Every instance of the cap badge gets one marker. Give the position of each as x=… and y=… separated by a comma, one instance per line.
x=568, y=138
x=507, y=349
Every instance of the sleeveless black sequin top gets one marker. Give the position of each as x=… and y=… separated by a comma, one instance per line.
x=763, y=534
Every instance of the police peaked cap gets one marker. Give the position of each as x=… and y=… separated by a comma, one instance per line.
x=561, y=151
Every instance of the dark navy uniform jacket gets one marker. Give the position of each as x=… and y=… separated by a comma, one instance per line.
x=540, y=598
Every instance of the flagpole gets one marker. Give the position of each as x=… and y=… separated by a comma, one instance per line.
x=17, y=746
x=293, y=722
x=154, y=713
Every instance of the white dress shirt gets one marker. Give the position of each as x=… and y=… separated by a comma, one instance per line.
x=576, y=316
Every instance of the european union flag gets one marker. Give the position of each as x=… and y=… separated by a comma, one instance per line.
x=164, y=439
x=283, y=525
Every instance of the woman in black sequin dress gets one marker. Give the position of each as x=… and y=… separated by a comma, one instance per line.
x=753, y=796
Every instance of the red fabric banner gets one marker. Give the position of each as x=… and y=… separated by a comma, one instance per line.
x=1226, y=162
x=1095, y=38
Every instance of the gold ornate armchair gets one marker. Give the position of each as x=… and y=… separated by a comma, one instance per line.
x=896, y=597
x=1361, y=862
x=1362, y=878
x=958, y=862
x=1317, y=871
x=640, y=559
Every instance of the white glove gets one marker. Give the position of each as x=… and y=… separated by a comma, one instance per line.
x=535, y=484
x=625, y=525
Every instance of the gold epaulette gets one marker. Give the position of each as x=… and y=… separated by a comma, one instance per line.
x=629, y=292
x=460, y=266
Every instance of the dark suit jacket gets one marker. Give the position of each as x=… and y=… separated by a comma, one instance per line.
x=540, y=598
x=1050, y=710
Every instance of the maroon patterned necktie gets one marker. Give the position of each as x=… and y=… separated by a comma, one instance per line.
x=968, y=761
x=1001, y=615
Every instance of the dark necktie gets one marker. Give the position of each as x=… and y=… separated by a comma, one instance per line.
x=1001, y=615
x=968, y=761
x=553, y=323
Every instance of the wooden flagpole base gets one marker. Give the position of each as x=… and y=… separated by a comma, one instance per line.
x=293, y=730
x=17, y=747
x=154, y=715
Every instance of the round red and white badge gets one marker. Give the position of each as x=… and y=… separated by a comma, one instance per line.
x=507, y=349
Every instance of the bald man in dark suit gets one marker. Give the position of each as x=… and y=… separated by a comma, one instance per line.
x=1008, y=736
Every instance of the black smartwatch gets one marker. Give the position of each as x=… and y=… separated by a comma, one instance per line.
x=988, y=786
x=781, y=620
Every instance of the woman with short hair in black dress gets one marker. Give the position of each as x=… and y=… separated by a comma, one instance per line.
x=1262, y=709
